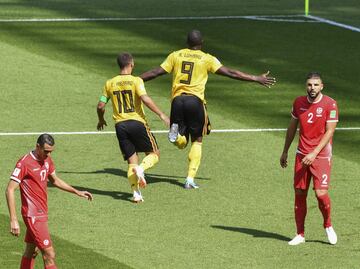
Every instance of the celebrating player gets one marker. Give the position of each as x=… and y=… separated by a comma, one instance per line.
x=127, y=93
x=318, y=116
x=32, y=173
x=190, y=69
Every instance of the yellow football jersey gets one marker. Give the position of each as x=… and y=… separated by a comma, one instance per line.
x=190, y=71
x=124, y=92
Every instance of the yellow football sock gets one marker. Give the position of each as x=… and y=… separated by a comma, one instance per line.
x=133, y=180
x=149, y=161
x=194, y=158
x=181, y=141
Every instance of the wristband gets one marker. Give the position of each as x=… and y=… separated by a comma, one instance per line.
x=103, y=99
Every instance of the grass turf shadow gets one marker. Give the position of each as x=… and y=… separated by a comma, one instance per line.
x=150, y=178
x=253, y=232
x=68, y=254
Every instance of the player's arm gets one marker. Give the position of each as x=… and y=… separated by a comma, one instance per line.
x=59, y=183
x=146, y=99
x=263, y=79
x=330, y=129
x=10, y=199
x=290, y=134
x=149, y=75
x=100, y=109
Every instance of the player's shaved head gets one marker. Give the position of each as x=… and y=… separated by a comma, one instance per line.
x=124, y=59
x=313, y=75
x=45, y=139
x=194, y=38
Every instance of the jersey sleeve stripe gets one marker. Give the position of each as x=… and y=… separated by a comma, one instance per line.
x=15, y=179
x=293, y=116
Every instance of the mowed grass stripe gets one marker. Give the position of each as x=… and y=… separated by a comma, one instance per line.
x=244, y=205
x=68, y=254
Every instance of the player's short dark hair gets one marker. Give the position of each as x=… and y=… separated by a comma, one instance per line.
x=313, y=75
x=194, y=38
x=124, y=59
x=45, y=139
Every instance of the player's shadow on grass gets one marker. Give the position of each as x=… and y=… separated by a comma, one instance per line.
x=150, y=178
x=126, y=196
x=253, y=232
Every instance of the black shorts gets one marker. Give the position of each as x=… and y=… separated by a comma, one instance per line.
x=134, y=136
x=190, y=113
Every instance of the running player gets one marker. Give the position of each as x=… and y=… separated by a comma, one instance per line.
x=127, y=93
x=190, y=68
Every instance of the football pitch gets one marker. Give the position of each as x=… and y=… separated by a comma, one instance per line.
x=57, y=55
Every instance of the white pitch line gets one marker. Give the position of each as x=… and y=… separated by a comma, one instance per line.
x=253, y=17
x=166, y=131
x=342, y=25
x=276, y=18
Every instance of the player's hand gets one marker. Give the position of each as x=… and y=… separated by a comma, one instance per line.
x=101, y=124
x=165, y=119
x=283, y=160
x=85, y=194
x=309, y=158
x=14, y=228
x=265, y=80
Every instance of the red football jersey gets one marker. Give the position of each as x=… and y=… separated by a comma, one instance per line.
x=313, y=118
x=32, y=175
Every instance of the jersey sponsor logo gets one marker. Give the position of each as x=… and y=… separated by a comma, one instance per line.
x=333, y=114
x=319, y=110
x=46, y=242
x=47, y=165
x=16, y=172
x=18, y=165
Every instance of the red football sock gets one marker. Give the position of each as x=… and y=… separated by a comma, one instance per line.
x=300, y=213
x=325, y=208
x=27, y=263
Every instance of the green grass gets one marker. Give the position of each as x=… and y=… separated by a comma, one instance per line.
x=68, y=257
x=223, y=224
x=241, y=217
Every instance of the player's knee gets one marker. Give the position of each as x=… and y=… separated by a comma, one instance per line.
x=35, y=253
x=30, y=251
x=49, y=255
x=157, y=152
x=320, y=192
x=300, y=192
